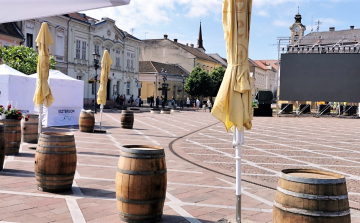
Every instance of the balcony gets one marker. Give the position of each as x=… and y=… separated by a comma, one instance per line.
x=80, y=61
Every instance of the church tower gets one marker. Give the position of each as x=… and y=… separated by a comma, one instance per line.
x=297, y=29
x=200, y=41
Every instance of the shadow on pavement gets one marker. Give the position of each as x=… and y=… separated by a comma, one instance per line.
x=22, y=154
x=98, y=192
x=17, y=173
x=173, y=219
x=97, y=154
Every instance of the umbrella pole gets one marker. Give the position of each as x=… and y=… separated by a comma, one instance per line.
x=40, y=119
x=101, y=110
x=238, y=139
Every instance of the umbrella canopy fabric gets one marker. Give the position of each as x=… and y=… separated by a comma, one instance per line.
x=105, y=69
x=43, y=93
x=16, y=10
x=233, y=104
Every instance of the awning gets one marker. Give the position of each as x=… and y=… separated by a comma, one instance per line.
x=17, y=10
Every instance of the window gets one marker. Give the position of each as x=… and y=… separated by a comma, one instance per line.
x=29, y=40
x=128, y=88
x=83, y=50
x=130, y=60
x=97, y=49
x=78, y=43
x=117, y=58
x=59, y=44
x=79, y=77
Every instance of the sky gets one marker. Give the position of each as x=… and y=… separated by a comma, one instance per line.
x=180, y=19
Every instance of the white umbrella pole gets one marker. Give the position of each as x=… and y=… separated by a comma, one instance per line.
x=101, y=110
x=238, y=139
x=40, y=119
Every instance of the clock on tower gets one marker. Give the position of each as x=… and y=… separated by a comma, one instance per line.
x=297, y=29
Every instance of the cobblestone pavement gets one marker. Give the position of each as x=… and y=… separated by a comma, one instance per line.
x=194, y=194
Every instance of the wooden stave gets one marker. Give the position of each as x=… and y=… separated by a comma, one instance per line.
x=50, y=153
x=29, y=129
x=86, y=122
x=297, y=200
x=127, y=119
x=12, y=132
x=128, y=202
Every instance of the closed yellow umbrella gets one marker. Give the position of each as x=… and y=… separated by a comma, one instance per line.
x=105, y=70
x=43, y=93
x=233, y=104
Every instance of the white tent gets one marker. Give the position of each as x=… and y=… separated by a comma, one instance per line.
x=16, y=10
x=69, y=99
x=18, y=88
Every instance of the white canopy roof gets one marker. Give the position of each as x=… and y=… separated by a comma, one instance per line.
x=16, y=10
x=6, y=70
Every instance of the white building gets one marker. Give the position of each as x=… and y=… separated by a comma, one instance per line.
x=263, y=75
x=76, y=37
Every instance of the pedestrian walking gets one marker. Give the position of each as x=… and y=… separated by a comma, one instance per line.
x=173, y=103
x=197, y=104
x=188, y=103
x=209, y=104
x=137, y=101
x=157, y=100
x=131, y=100
x=181, y=103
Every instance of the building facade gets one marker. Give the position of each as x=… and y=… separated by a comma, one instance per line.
x=154, y=74
x=172, y=52
x=86, y=36
x=263, y=76
x=10, y=34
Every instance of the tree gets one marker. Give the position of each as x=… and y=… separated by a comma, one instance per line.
x=198, y=83
x=217, y=76
x=21, y=58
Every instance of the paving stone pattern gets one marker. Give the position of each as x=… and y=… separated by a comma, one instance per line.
x=194, y=194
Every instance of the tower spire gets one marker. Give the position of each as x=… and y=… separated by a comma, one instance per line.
x=200, y=40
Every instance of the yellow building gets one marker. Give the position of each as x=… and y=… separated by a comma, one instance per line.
x=154, y=75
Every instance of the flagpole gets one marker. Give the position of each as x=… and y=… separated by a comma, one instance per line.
x=40, y=119
x=238, y=139
x=101, y=110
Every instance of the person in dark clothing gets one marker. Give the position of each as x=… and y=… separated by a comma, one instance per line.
x=181, y=103
x=162, y=102
x=157, y=101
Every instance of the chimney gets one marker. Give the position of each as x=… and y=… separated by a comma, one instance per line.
x=91, y=21
x=192, y=45
x=332, y=29
x=165, y=36
x=175, y=40
x=352, y=27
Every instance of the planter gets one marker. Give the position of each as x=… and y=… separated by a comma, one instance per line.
x=12, y=130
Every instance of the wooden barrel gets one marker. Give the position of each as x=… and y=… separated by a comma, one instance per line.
x=12, y=130
x=127, y=119
x=55, y=161
x=29, y=129
x=141, y=183
x=311, y=196
x=2, y=146
x=86, y=121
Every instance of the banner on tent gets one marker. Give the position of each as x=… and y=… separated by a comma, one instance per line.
x=58, y=116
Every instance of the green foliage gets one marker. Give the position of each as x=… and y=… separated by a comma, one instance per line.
x=217, y=76
x=198, y=83
x=21, y=58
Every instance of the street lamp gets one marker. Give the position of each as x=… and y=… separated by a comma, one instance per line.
x=96, y=66
x=164, y=85
x=183, y=82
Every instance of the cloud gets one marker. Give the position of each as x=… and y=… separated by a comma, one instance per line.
x=282, y=23
x=263, y=13
x=156, y=12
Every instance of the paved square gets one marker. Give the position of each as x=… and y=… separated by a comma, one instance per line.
x=200, y=164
